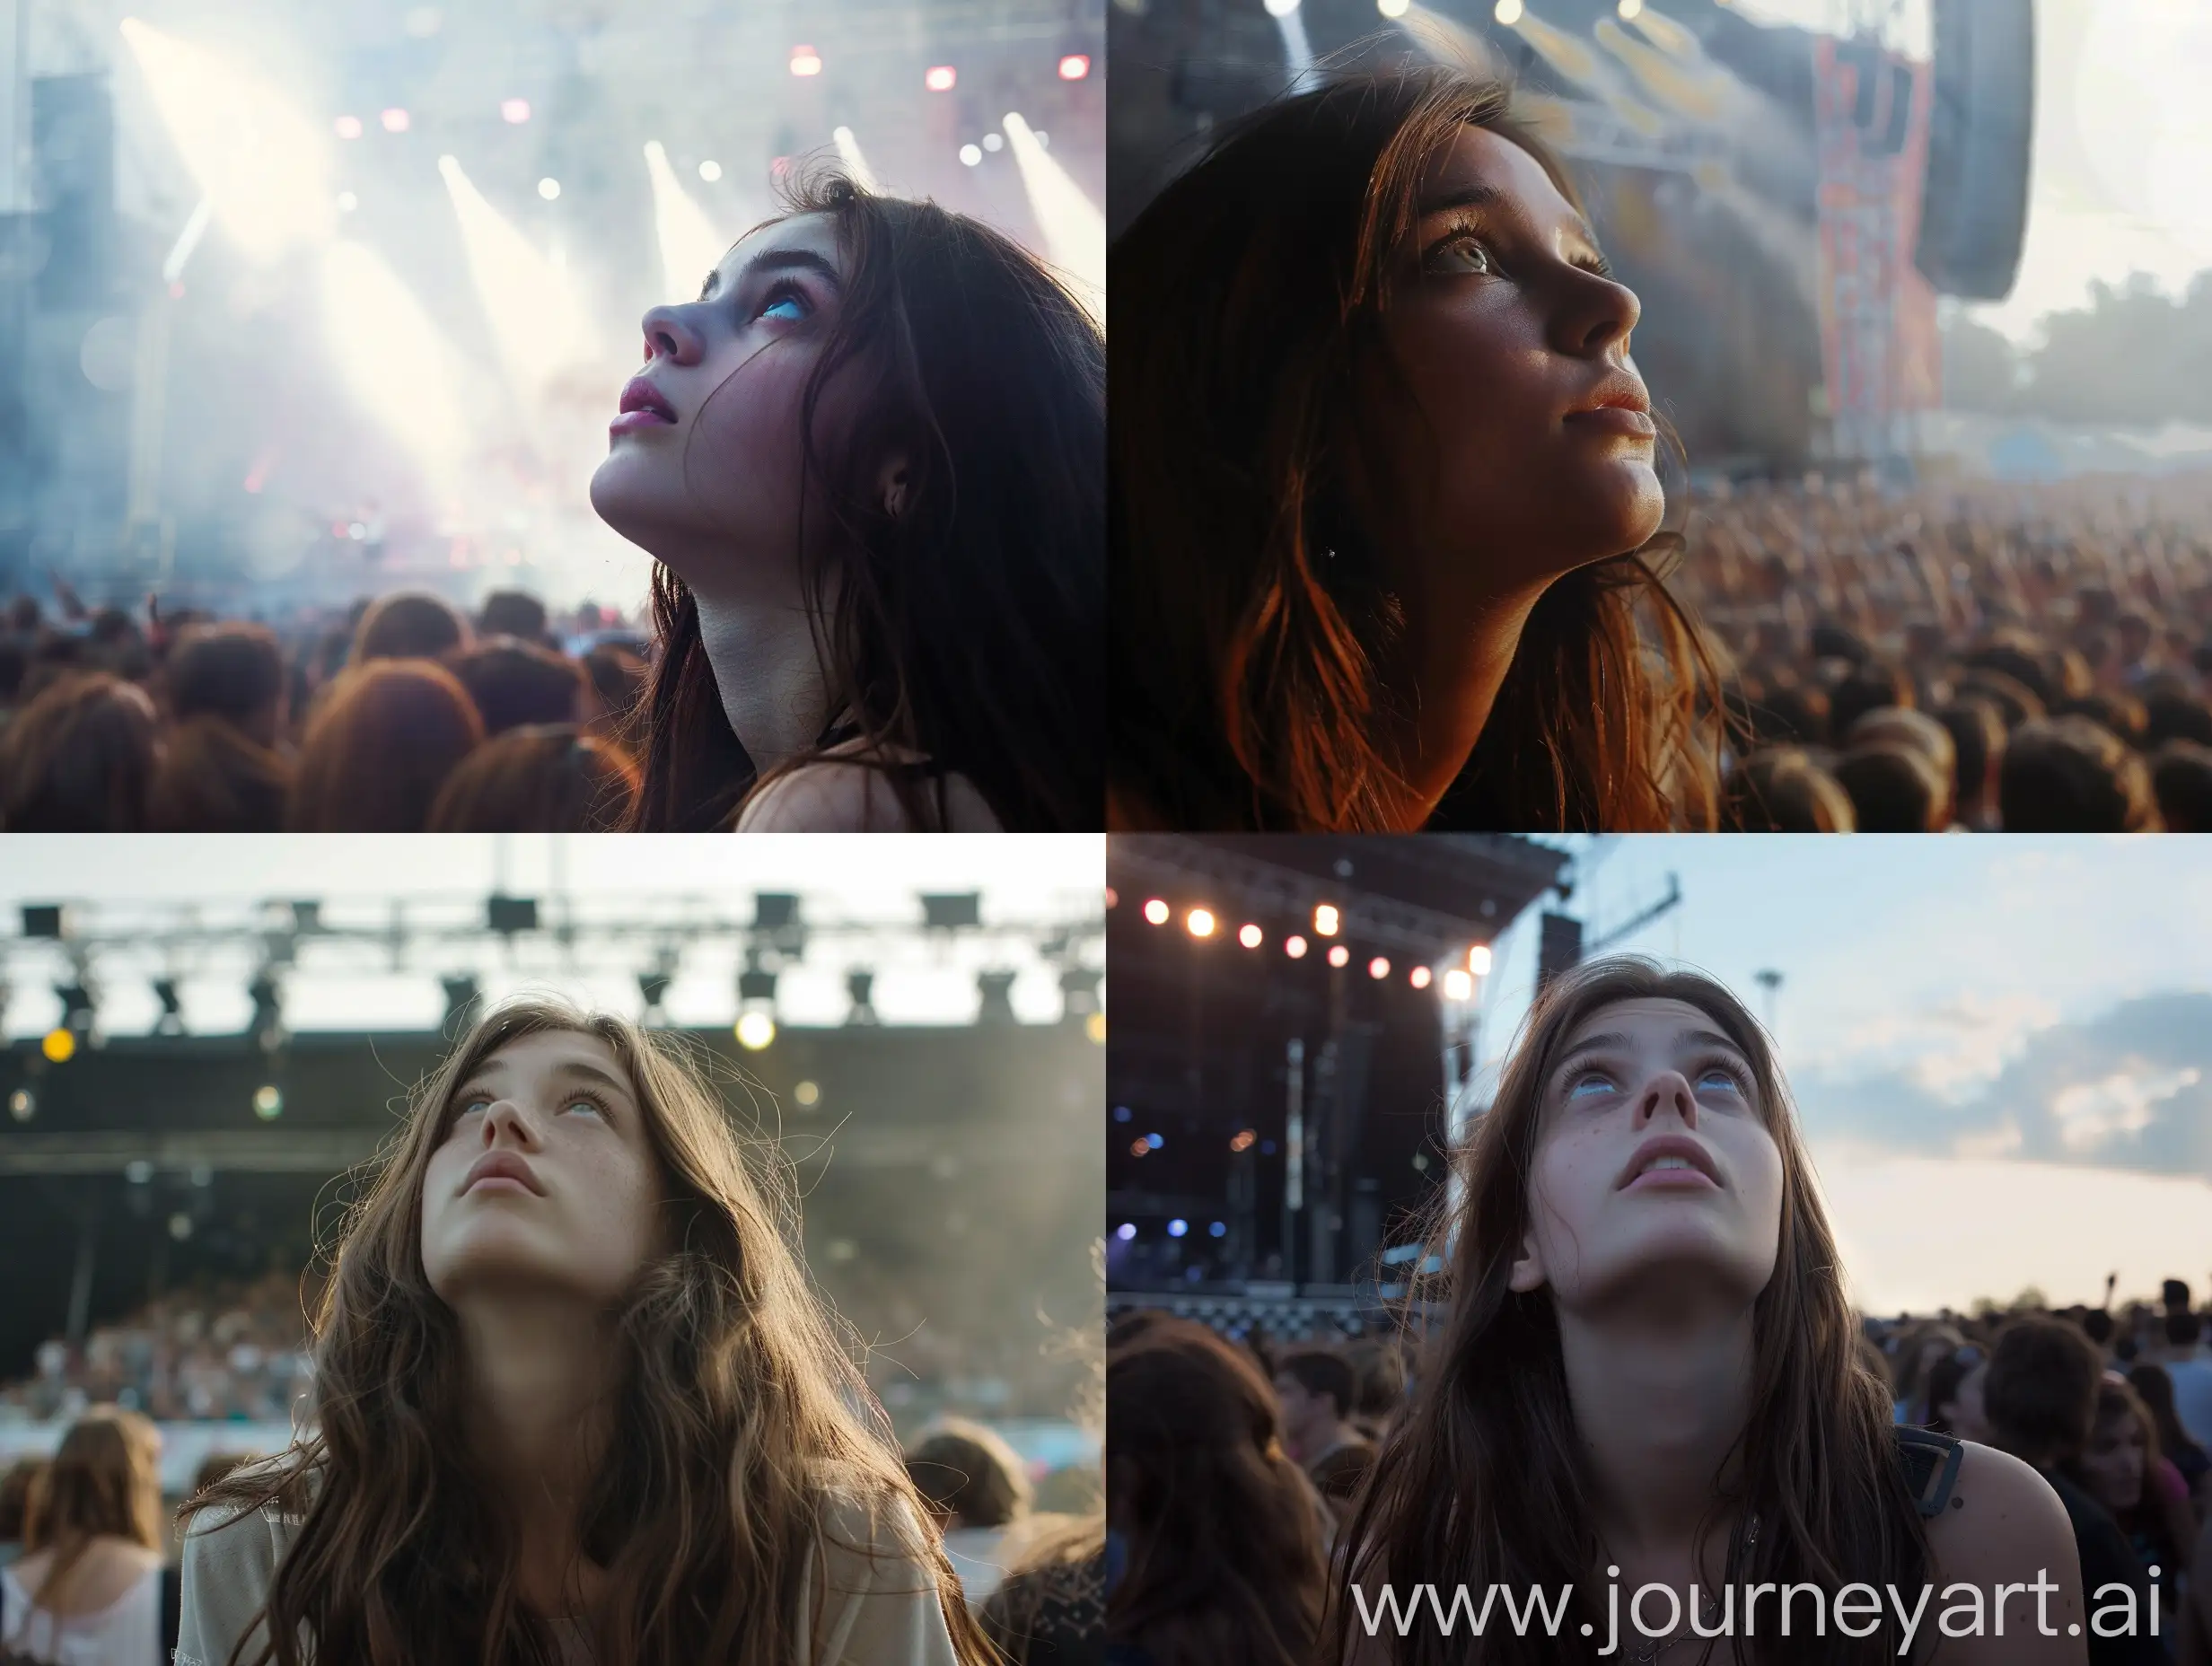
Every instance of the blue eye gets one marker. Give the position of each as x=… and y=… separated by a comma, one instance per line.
x=790, y=306
x=1588, y=1079
x=585, y=1104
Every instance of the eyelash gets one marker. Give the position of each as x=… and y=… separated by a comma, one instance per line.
x=1705, y=1067
x=785, y=290
x=582, y=1096
x=1466, y=231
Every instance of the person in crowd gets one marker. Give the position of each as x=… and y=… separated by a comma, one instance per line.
x=380, y=748
x=869, y=460
x=514, y=682
x=618, y=678
x=221, y=771
x=2154, y=1385
x=1387, y=515
x=575, y=1399
x=2068, y=774
x=2121, y=1467
x=80, y=758
x=15, y=1484
x=2182, y=783
x=1222, y=1536
x=2189, y=1370
x=1946, y=1378
x=545, y=778
x=2041, y=1396
x=1782, y=790
x=513, y=613
x=1894, y=789
x=1380, y=1369
x=976, y=1490
x=1317, y=1393
x=87, y=1590
x=1647, y=1369
x=408, y=625
x=1977, y=731
x=1920, y=1349
x=1050, y=1609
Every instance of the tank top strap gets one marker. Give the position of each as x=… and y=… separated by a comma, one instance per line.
x=1930, y=1462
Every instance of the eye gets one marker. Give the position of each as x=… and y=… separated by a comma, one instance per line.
x=588, y=1101
x=1588, y=1084
x=1721, y=1076
x=476, y=1103
x=788, y=302
x=1460, y=253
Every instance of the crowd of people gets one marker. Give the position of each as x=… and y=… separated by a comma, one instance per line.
x=1262, y=1447
x=2024, y=658
x=404, y=713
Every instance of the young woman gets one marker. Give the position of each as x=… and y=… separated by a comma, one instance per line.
x=2122, y=1468
x=576, y=1403
x=870, y=460
x=1385, y=508
x=87, y=1591
x=1647, y=1372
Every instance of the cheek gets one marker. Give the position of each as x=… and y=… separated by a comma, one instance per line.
x=743, y=447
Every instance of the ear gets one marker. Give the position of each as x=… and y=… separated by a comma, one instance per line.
x=894, y=485
x=1528, y=1266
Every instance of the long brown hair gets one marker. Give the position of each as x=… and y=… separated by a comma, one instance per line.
x=79, y=757
x=103, y=1482
x=1225, y=1559
x=739, y=1419
x=1248, y=303
x=382, y=740
x=967, y=632
x=1482, y=1483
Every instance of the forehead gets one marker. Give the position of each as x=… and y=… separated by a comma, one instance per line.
x=1477, y=157
x=1645, y=1020
x=814, y=234
x=549, y=1049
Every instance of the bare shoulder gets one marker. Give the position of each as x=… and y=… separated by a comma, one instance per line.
x=2007, y=1535
x=847, y=791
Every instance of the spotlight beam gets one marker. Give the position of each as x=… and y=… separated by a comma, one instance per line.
x=857, y=164
x=1074, y=226
x=690, y=247
x=535, y=316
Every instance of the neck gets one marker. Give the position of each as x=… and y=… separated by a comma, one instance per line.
x=772, y=688
x=1439, y=678
x=1661, y=1390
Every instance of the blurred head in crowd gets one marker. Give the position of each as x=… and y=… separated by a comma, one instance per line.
x=1783, y=791
x=1378, y=552
x=2121, y=1451
x=2182, y=783
x=969, y=1476
x=104, y=1482
x=2039, y=1395
x=1977, y=730
x=220, y=772
x=618, y=681
x=15, y=1483
x=2067, y=775
x=1868, y=687
x=1224, y=1562
x=515, y=682
x=512, y=613
x=1894, y=788
x=544, y=778
x=408, y=625
x=380, y=747
x=887, y=423
x=1317, y=1390
x=79, y=759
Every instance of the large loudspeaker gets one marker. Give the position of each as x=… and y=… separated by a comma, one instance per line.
x=1974, y=212
x=73, y=151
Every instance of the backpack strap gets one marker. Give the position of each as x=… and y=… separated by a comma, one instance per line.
x=1930, y=1462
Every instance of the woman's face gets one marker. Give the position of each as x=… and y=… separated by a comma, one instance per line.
x=543, y=1178
x=1515, y=353
x=705, y=470
x=1653, y=1158
x=2112, y=1463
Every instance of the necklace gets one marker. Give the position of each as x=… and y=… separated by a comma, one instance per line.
x=1653, y=1648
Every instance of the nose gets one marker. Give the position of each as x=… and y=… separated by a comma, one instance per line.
x=1667, y=1091
x=1596, y=315
x=669, y=336
x=506, y=1124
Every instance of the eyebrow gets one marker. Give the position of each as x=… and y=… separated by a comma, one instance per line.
x=1480, y=196
x=775, y=260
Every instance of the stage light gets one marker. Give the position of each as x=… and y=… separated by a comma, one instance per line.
x=1250, y=936
x=807, y=1093
x=710, y=171
x=1075, y=65
x=22, y=1105
x=1177, y=1227
x=549, y=188
x=1458, y=985
x=755, y=1031
x=1393, y=8
x=515, y=111
x=1508, y=11
x=805, y=61
x=994, y=142
x=1281, y=8
x=538, y=321
x=1218, y=1228
x=1113, y=898
x=941, y=78
x=1200, y=921
x=857, y=164
x=1125, y=1232
x=1157, y=912
x=1630, y=8
x=1294, y=947
x=1155, y=1140
x=1074, y=226
x=971, y=155
x=1242, y=1140
x=262, y=161
x=1420, y=977
x=1326, y=920
x=348, y=126
x=180, y=1227
x=1094, y=1026
x=395, y=120
x=690, y=247
x=1140, y=1148
x=1378, y=968
x=392, y=357
x=1478, y=960
x=1340, y=956
x=268, y=1102
x=60, y=1045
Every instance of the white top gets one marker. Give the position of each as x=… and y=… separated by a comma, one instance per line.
x=128, y=1632
x=976, y=1554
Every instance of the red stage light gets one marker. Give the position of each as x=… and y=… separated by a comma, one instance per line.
x=1074, y=66
x=941, y=78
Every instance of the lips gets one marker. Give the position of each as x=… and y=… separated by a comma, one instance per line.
x=644, y=406
x=501, y=1165
x=1620, y=403
x=1667, y=1155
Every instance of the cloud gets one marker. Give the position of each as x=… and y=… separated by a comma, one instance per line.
x=2129, y=1090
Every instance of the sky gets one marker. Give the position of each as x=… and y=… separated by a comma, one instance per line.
x=2122, y=132
x=2001, y=1048
x=129, y=883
